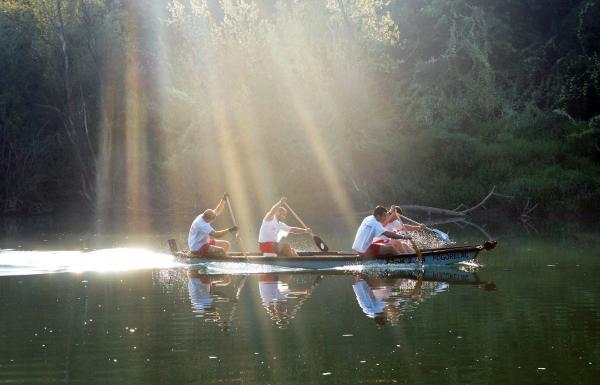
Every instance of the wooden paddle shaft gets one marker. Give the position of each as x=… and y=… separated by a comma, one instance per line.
x=417, y=251
x=414, y=222
x=230, y=211
x=238, y=239
x=296, y=215
x=318, y=241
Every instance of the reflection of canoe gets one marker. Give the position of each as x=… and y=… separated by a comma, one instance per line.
x=388, y=298
x=329, y=260
x=446, y=274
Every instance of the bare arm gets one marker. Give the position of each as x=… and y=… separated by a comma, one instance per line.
x=411, y=228
x=271, y=214
x=393, y=235
x=222, y=233
x=298, y=230
x=221, y=281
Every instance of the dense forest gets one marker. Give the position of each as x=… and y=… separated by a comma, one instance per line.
x=117, y=107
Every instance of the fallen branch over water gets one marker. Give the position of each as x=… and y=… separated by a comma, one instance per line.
x=455, y=213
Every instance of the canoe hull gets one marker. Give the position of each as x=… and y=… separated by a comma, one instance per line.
x=332, y=260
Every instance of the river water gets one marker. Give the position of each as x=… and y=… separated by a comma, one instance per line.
x=83, y=308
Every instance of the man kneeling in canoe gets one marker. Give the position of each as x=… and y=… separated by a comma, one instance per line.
x=272, y=224
x=201, y=240
x=371, y=227
x=393, y=223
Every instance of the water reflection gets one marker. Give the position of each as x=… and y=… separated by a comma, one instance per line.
x=387, y=299
x=142, y=327
x=282, y=295
x=214, y=298
x=384, y=297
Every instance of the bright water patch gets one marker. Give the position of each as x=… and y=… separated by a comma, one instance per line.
x=245, y=268
x=237, y=268
x=380, y=268
x=450, y=324
x=14, y=262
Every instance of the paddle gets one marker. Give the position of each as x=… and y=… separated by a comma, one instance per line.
x=238, y=239
x=417, y=251
x=318, y=241
x=439, y=233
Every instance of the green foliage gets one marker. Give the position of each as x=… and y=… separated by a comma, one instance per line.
x=420, y=101
x=551, y=164
x=24, y=148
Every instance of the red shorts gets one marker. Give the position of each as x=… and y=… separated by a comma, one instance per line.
x=268, y=247
x=204, y=249
x=374, y=248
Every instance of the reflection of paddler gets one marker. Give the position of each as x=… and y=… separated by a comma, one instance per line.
x=275, y=292
x=272, y=289
x=387, y=299
x=377, y=299
x=200, y=297
x=370, y=304
x=199, y=290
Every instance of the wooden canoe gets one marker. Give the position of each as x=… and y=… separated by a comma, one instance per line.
x=319, y=260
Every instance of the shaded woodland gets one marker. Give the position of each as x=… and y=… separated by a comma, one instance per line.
x=113, y=106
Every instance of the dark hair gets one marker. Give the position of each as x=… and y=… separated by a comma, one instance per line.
x=379, y=210
x=397, y=209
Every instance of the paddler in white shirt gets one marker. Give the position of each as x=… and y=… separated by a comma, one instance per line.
x=273, y=229
x=393, y=223
x=371, y=227
x=201, y=239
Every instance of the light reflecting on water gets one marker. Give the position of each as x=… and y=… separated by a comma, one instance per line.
x=384, y=297
x=14, y=262
x=529, y=313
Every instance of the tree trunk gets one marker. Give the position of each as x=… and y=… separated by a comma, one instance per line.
x=63, y=45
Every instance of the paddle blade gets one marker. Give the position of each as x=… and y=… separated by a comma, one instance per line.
x=441, y=235
x=320, y=244
x=173, y=246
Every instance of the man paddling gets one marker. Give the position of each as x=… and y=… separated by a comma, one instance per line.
x=393, y=223
x=272, y=225
x=201, y=239
x=371, y=227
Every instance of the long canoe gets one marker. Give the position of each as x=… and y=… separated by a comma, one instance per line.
x=319, y=260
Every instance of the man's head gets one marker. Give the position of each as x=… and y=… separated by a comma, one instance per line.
x=395, y=212
x=281, y=214
x=209, y=215
x=380, y=213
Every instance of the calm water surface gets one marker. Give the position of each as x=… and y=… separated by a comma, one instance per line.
x=529, y=314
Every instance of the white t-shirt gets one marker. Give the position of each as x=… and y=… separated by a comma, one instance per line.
x=269, y=231
x=368, y=229
x=392, y=226
x=199, y=233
